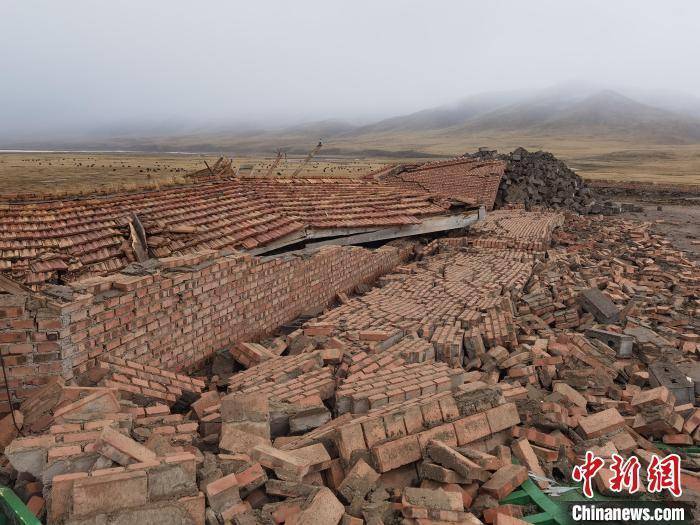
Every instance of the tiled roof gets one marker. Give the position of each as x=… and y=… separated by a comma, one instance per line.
x=470, y=180
x=334, y=203
x=450, y=162
x=87, y=236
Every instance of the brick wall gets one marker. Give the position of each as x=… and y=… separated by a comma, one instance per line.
x=179, y=315
x=30, y=342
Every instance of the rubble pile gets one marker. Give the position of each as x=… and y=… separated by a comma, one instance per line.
x=223, y=167
x=540, y=179
x=516, y=229
x=491, y=361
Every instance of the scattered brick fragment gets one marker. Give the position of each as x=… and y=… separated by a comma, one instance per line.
x=504, y=481
x=601, y=423
x=504, y=353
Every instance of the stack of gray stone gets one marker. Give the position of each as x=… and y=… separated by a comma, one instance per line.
x=539, y=179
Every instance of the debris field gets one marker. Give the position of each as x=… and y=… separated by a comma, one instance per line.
x=409, y=400
x=422, y=388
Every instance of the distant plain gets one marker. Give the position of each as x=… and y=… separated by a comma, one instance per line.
x=601, y=134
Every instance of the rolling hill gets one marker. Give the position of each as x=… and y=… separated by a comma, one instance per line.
x=603, y=114
x=566, y=113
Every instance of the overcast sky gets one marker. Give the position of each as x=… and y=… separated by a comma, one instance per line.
x=83, y=63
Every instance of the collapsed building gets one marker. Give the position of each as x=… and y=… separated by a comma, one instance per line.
x=471, y=181
x=170, y=276
x=221, y=169
x=216, y=353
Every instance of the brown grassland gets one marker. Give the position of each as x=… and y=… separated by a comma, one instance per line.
x=31, y=172
x=590, y=157
x=85, y=172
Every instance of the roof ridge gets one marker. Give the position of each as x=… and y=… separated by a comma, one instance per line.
x=453, y=161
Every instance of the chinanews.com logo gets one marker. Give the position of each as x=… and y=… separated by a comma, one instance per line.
x=624, y=476
x=630, y=512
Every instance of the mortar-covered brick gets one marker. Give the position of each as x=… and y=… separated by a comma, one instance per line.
x=432, y=299
x=516, y=230
x=405, y=351
x=289, y=378
x=359, y=393
x=31, y=341
x=432, y=416
x=107, y=490
x=133, y=379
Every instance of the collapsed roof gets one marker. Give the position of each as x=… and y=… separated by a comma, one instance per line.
x=66, y=239
x=471, y=181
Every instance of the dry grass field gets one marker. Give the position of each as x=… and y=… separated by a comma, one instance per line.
x=85, y=172
x=589, y=157
x=679, y=164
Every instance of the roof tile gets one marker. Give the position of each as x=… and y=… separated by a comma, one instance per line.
x=84, y=237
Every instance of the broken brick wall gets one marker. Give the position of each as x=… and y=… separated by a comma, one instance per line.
x=179, y=315
x=30, y=334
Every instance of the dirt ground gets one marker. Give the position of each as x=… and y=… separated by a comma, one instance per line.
x=681, y=224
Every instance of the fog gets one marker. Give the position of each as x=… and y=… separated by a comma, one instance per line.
x=85, y=65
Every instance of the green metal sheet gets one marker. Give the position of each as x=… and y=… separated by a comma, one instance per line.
x=13, y=511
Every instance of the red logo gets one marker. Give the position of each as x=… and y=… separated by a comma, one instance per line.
x=585, y=472
x=665, y=474
x=625, y=474
x=662, y=474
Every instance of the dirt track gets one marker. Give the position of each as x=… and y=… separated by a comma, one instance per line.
x=680, y=223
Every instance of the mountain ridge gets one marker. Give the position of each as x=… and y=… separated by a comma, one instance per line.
x=570, y=111
x=602, y=113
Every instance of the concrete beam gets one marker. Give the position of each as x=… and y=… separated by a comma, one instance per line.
x=434, y=224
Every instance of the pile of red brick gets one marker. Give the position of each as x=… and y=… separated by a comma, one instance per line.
x=516, y=229
x=428, y=399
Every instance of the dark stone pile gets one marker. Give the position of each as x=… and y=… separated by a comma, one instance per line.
x=539, y=179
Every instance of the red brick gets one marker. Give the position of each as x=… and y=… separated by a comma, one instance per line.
x=677, y=439
x=62, y=452
x=109, y=493
x=223, y=493
x=36, y=505
x=195, y=506
x=350, y=440
x=601, y=423
x=524, y=452
x=502, y=417
x=654, y=397
x=61, y=495
x=471, y=428
x=394, y=454
x=504, y=481
x=692, y=422
x=122, y=449
x=444, y=433
x=13, y=337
